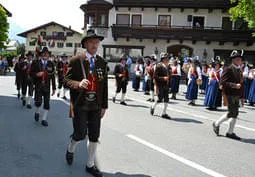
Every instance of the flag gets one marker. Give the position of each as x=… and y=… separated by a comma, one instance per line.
x=52, y=43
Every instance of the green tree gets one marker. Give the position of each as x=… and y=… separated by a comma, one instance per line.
x=4, y=27
x=244, y=9
x=21, y=49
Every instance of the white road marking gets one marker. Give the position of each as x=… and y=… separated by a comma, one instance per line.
x=193, y=115
x=177, y=157
x=182, y=112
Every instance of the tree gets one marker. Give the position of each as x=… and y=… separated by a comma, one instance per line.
x=4, y=27
x=244, y=9
x=21, y=49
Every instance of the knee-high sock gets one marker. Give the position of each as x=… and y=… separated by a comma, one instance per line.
x=115, y=94
x=19, y=92
x=221, y=120
x=45, y=114
x=37, y=110
x=165, y=107
x=24, y=97
x=152, y=95
x=29, y=100
x=64, y=92
x=122, y=97
x=59, y=90
x=92, y=147
x=72, y=146
x=231, y=125
x=154, y=105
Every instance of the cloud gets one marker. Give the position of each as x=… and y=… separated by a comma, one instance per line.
x=32, y=13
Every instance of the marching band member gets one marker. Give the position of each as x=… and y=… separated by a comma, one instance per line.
x=122, y=78
x=61, y=70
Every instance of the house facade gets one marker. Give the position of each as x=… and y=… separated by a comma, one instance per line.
x=184, y=28
x=58, y=38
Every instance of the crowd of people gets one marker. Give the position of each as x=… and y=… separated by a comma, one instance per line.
x=86, y=78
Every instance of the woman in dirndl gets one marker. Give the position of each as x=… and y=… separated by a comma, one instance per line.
x=213, y=98
x=194, y=78
x=175, y=78
x=251, y=97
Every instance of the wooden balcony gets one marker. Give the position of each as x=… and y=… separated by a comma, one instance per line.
x=53, y=37
x=181, y=33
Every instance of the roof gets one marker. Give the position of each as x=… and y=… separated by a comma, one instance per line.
x=7, y=12
x=96, y=3
x=207, y=4
x=24, y=34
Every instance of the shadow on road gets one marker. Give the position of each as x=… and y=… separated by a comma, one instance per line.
x=248, y=141
x=187, y=120
x=119, y=174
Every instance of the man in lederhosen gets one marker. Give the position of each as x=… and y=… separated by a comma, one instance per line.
x=161, y=76
x=87, y=79
x=61, y=70
x=231, y=81
x=17, y=69
x=43, y=73
x=122, y=78
x=26, y=80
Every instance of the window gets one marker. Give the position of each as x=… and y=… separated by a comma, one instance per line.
x=77, y=45
x=122, y=19
x=43, y=33
x=61, y=34
x=60, y=44
x=114, y=53
x=32, y=43
x=226, y=23
x=136, y=20
x=69, y=44
x=103, y=20
x=240, y=24
x=198, y=22
x=54, y=33
x=164, y=20
x=92, y=19
x=69, y=33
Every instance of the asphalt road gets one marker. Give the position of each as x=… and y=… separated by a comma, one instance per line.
x=133, y=143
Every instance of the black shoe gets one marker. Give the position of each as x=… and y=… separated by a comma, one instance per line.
x=58, y=95
x=113, y=99
x=94, y=171
x=64, y=97
x=152, y=100
x=212, y=109
x=216, y=129
x=233, y=136
x=44, y=123
x=69, y=157
x=166, y=116
x=251, y=104
x=24, y=102
x=191, y=104
x=37, y=117
x=123, y=103
x=29, y=106
x=149, y=99
x=152, y=111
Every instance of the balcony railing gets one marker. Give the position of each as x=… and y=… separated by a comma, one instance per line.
x=182, y=33
x=54, y=37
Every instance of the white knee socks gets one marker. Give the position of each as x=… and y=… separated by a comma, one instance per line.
x=45, y=115
x=72, y=146
x=92, y=147
x=221, y=120
x=37, y=110
x=29, y=100
x=231, y=125
x=122, y=97
x=152, y=95
x=165, y=107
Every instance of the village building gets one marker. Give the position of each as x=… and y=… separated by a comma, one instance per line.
x=184, y=28
x=58, y=38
